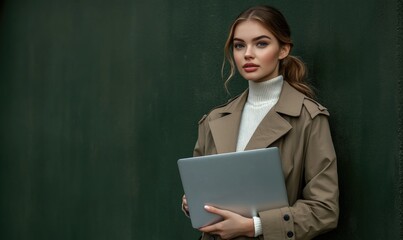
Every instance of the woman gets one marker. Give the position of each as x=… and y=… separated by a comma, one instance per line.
x=276, y=110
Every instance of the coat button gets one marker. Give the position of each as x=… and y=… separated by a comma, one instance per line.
x=286, y=217
x=290, y=234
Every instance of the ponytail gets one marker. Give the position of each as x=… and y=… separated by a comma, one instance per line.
x=294, y=72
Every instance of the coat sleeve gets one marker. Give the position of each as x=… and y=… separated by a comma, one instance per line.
x=317, y=211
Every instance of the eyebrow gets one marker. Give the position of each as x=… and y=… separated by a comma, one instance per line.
x=254, y=39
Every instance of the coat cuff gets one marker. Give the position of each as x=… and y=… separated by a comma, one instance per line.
x=277, y=224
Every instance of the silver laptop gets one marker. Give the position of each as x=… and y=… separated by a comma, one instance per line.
x=243, y=182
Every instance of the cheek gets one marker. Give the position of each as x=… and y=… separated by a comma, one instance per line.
x=238, y=59
x=270, y=57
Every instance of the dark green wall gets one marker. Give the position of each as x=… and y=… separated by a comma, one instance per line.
x=99, y=98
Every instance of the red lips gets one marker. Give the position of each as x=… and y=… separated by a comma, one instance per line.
x=250, y=67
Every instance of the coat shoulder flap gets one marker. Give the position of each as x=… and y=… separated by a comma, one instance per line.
x=217, y=108
x=314, y=108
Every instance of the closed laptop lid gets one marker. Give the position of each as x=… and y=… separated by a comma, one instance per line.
x=243, y=182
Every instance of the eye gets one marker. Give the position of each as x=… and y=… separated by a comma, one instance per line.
x=238, y=45
x=262, y=44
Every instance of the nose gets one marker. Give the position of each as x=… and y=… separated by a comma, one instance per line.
x=248, y=53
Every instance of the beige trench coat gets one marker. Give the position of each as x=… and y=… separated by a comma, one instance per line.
x=299, y=127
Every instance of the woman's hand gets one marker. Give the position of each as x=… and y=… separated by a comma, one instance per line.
x=233, y=225
x=185, y=206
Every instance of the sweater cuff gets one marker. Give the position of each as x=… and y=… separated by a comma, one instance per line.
x=258, y=226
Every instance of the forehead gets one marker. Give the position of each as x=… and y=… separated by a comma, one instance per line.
x=250, y=29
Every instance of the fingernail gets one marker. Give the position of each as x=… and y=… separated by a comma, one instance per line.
x=206, y=207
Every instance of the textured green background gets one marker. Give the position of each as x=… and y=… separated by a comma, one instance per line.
x=99, y=98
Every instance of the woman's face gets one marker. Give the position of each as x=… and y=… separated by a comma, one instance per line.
x=257, y=52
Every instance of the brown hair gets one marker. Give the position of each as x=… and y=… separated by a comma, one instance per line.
x=292, y=68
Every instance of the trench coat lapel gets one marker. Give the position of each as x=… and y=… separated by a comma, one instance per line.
x=273, y=126
x=225, y=129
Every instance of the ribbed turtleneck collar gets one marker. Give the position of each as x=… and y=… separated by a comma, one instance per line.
x=262, y=92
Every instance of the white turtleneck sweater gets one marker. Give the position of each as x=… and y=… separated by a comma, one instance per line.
x=261, y=98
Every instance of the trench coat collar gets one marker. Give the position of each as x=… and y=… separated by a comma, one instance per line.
x=273, y=126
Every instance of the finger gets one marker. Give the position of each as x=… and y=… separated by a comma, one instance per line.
x=185, y=204
x=209, y=228
x=221, y=212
